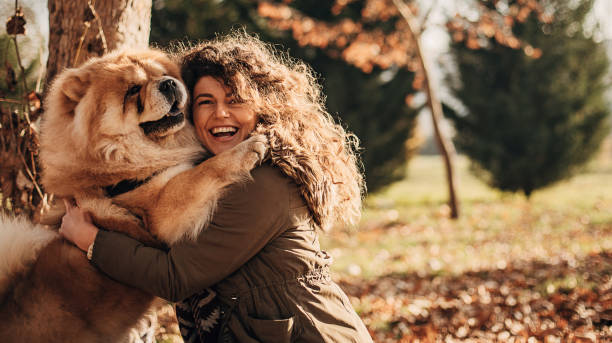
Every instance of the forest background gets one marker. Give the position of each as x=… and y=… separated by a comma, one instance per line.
x=511, y=267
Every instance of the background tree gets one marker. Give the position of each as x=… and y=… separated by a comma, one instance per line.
x=533, y=118
x=79, y=30
x=386, y=33
x=371, y=104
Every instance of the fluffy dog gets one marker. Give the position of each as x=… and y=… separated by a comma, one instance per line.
x=114, y=137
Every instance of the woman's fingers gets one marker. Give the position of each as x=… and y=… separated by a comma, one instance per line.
x=67, y=204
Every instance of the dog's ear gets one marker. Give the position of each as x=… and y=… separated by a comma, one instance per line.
x=74, y=85
x=68, y=88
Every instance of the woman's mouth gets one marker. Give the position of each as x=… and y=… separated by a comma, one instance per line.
x=223, y=131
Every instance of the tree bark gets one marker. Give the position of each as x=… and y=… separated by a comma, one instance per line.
x=447, y=149
x=75, y=33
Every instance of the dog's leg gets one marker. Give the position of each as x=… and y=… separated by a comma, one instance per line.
x=187, y=201
x=109, y=216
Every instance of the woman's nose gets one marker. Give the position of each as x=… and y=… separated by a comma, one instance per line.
x=222, y=111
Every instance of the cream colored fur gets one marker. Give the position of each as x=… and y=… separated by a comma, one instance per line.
x=20, y=242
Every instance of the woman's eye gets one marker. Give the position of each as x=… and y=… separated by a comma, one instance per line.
x=133, y=90
x=205, y=102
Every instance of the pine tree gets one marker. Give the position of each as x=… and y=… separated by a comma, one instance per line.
x=533, y=117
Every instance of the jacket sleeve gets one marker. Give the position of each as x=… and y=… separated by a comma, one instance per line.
x=247, y=218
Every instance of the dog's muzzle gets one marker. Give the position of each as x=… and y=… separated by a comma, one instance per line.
x=169, y=89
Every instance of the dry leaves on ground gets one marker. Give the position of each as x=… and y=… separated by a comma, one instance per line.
x=562, y=300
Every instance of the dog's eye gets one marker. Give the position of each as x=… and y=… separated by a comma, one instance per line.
x=133, y=90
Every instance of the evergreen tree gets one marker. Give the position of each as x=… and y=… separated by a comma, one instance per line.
x=532, y=121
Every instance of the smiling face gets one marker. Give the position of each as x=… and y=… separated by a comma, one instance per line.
x=221, y=120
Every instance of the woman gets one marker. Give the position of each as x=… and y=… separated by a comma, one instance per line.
x=260, y=253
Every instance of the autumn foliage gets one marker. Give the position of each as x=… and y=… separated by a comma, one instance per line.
x=356, y=41
x=497, y=19
x=361, y=40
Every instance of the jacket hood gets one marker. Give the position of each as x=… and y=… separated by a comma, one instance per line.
x=314, y=185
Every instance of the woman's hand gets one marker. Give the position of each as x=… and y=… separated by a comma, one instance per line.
x=77, y=226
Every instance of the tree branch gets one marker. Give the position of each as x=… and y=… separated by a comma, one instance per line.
x=422, y=24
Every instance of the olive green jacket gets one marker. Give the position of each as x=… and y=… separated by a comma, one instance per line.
x=260, y=254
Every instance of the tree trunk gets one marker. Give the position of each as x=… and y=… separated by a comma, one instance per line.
x=447, y=149
x=75, y=34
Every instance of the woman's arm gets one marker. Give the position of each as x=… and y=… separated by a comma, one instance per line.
x=247, y=218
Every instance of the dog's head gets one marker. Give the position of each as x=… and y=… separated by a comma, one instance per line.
x=118, y=114
x=119, y=94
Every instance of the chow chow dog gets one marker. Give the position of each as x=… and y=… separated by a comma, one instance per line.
x=113, y=137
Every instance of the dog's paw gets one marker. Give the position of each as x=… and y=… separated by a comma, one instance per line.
x=252, y=151
x=246, y=155
x=259, y=145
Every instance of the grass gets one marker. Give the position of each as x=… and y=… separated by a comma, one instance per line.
x=405, y=228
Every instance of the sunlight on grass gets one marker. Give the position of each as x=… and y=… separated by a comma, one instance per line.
x=405, y=228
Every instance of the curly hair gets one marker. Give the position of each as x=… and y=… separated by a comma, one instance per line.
x=305, y=142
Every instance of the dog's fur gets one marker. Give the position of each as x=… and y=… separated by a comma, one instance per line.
x=97, y=131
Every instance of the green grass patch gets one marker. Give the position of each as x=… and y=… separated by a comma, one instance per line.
x=405, y=228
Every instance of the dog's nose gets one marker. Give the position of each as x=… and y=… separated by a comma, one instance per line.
x=170, y=89
x=167, y=86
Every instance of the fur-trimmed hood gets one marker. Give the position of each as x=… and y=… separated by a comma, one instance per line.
x=330, y=201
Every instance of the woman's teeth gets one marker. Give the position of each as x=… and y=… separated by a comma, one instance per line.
x=223, y=131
